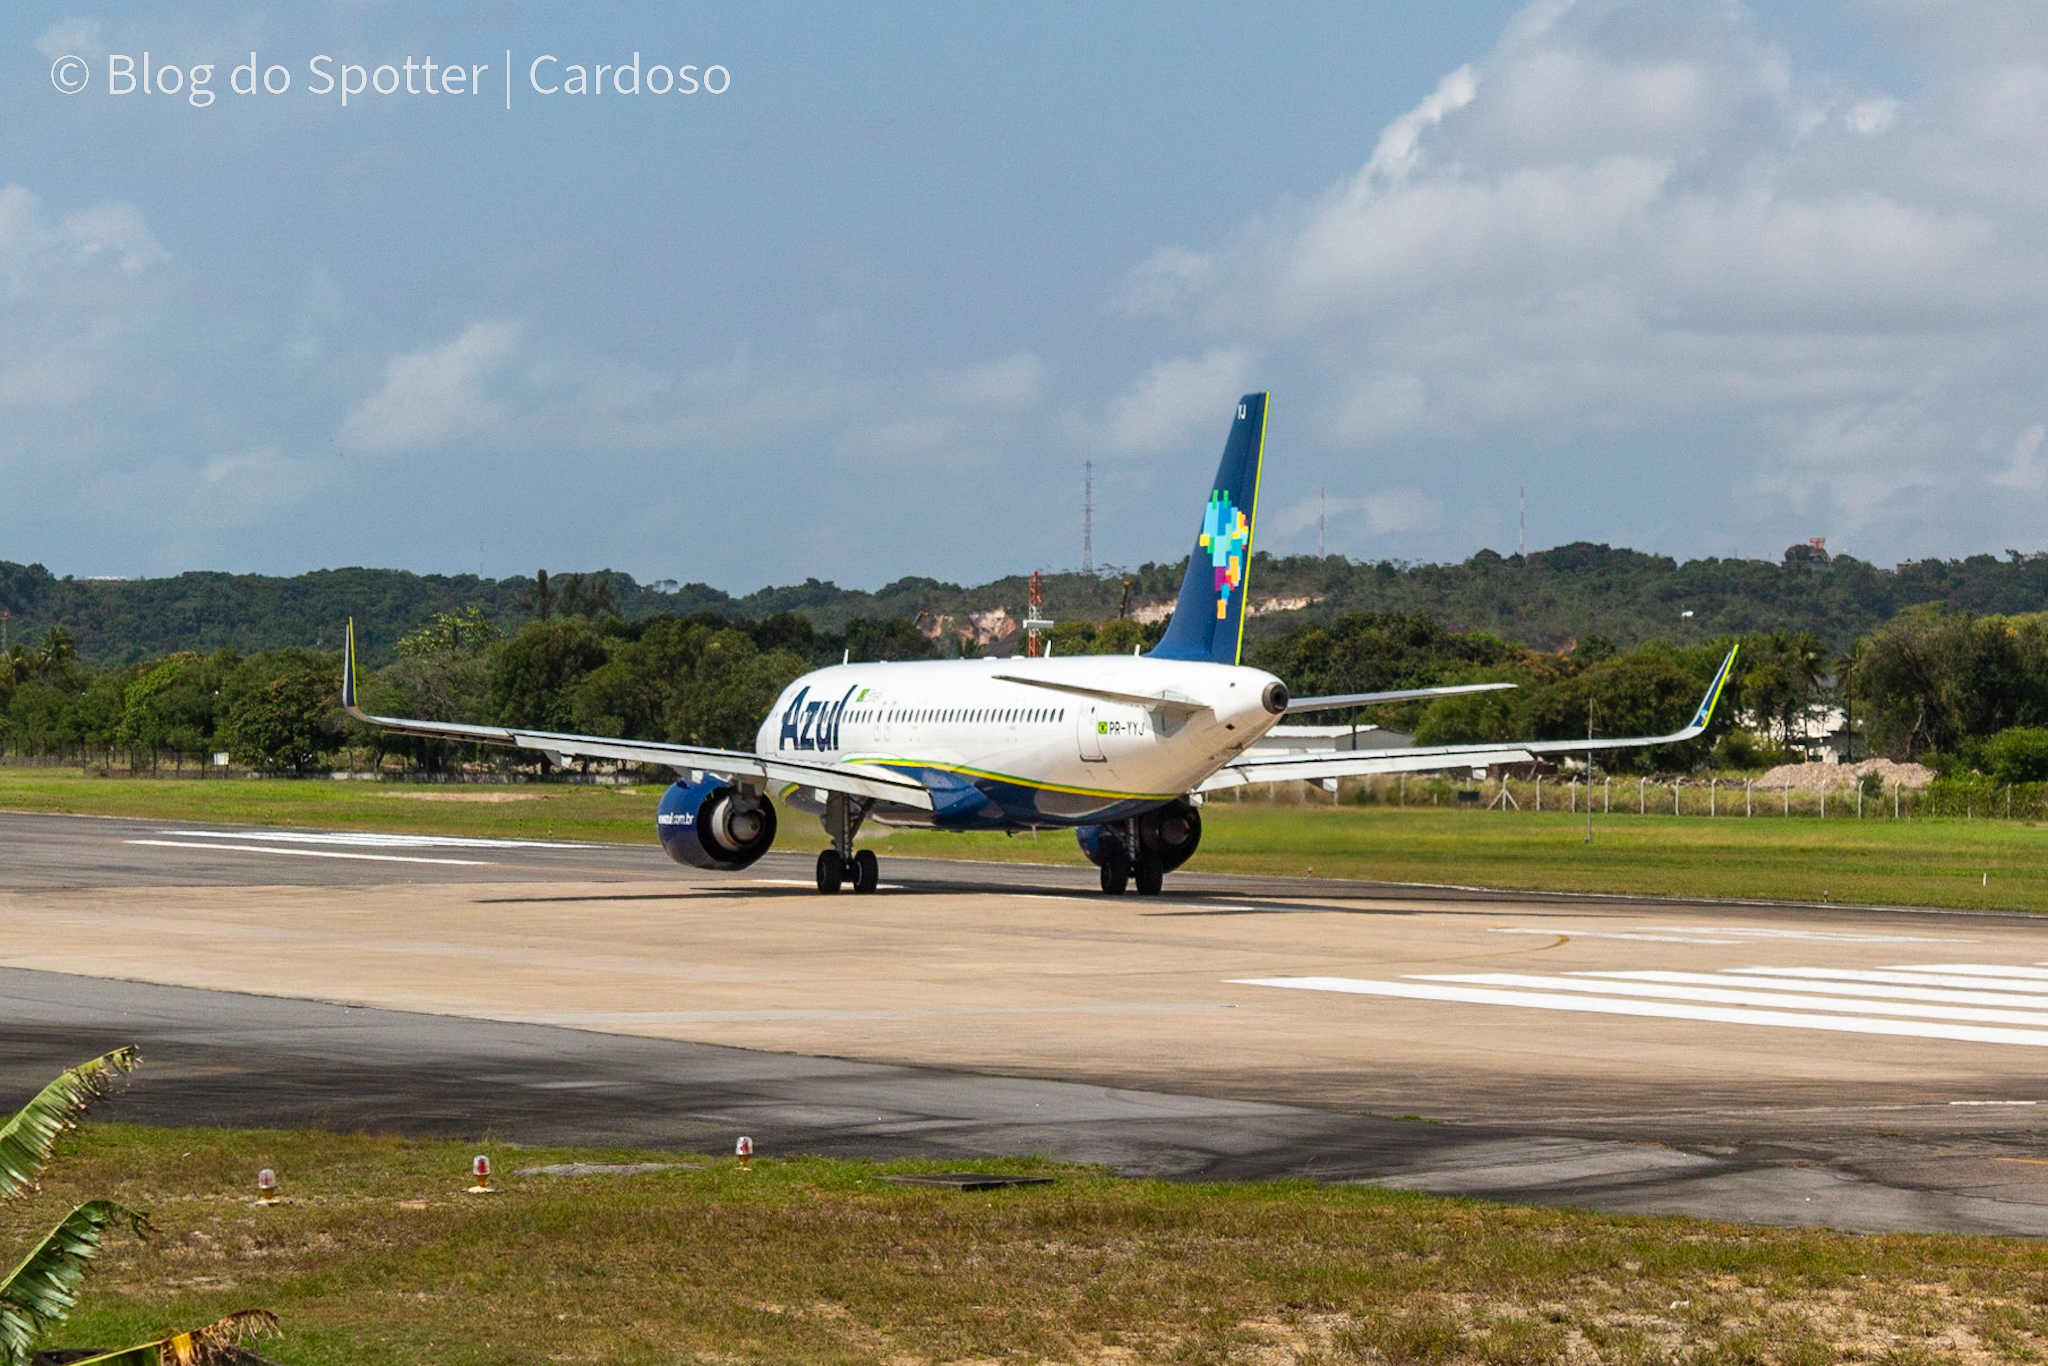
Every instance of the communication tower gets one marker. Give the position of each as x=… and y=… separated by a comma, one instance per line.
x=1088, y=517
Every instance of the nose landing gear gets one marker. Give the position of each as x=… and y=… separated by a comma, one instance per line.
x=841, y=864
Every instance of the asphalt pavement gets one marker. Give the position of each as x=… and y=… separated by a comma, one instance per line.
x=1577, y=1051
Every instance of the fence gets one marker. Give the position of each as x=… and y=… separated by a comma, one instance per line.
x=1712, y=797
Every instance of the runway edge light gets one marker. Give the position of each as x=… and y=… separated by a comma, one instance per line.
x=266, y=1188
x=744, y=1151
x=480, y=1168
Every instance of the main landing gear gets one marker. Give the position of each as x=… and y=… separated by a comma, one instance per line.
x=1119, y=868
x=840, y=864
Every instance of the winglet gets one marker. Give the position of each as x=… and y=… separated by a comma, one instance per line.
x=1705, y=714
x=348, y=673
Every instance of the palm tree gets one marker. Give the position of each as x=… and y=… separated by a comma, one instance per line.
x=40, y=1292
x=59, y=649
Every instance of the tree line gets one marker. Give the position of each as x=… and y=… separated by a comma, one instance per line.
x=1959, y=690
x=1548, y=599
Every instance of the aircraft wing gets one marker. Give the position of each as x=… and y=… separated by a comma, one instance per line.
x=852, y=779
x=1252, y=767
x=1249, y=769
x=1367, y=699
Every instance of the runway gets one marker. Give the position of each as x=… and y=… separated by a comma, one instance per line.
x=1855, y=1067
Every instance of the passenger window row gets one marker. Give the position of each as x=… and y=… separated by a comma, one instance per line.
x=965, y=715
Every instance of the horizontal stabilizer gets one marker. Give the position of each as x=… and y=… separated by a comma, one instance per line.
x=1171, y=705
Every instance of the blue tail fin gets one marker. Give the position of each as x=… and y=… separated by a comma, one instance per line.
x=1208, y=619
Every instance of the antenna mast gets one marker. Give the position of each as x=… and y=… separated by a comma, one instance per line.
x=1034, y=614
x=1522, y=521
x=1088, y=517
x=1322, y=514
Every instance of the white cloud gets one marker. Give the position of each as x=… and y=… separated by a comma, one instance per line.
x=1175, y=402
x=79, y=294
x=1169, y=278
x=36, y=252
x=116, y=231
x=433, y=397
x=1011, y=384
x=1384, y=512
x=965, y=416
x=1637, y=228
x=1874, y=115
x=2026, y=470
x=1397, y=152
x=71, y=37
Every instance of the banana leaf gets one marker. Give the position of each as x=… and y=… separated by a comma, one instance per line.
x=215, y=1343
x=27, y=1140
x=41, y=1290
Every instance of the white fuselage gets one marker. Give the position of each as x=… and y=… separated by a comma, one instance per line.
x=1000, y=753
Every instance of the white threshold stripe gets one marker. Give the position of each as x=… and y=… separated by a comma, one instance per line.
x=1779, y=999
x=1831, y=936
x=313, y=853
x=1978, y=970
x=1658, y=1010
x=1896, y=977
x=1645, y=937
x=1882, y=993
x=372, y=839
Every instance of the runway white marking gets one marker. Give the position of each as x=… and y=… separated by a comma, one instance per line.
x=1981, y=970
x=1835, y=936
x=1777, y=1000
x=589, y=1018
x=1727, y=934
x=371, y=839
x=1994, y=1102
x=313, y=853
x=1743, y=996
x=1739, y=977
x=1965, y=975
x=1617, y=934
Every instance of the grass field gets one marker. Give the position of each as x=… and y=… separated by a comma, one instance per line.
x=1950, y=863
x=378, y=1258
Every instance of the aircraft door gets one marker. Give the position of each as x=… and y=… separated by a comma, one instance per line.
x=1090, y=732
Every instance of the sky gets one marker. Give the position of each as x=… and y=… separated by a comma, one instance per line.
x=860, y=290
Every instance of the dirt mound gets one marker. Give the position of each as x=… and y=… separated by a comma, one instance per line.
x=1813, y=777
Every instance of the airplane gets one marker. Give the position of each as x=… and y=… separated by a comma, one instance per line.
x=1121, y=749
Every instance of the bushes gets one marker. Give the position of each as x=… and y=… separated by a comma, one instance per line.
x=2018, y=754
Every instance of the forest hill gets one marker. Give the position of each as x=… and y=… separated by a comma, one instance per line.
x=1545, y=600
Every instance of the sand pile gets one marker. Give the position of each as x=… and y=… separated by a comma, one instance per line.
x=1813, y=777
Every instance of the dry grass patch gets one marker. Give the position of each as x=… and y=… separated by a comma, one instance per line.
x=377, y=1258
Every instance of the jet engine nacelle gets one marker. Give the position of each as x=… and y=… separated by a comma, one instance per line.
x=1173, y=832
x=712, y=824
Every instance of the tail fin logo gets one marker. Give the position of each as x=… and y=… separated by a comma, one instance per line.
x=1225, y=534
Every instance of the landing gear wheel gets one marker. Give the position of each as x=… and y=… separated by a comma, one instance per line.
x=867, y=871
x=831, y=871
x=1115, y=875
x=1151, y=875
